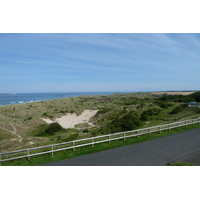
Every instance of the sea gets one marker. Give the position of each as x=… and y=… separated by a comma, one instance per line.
x=20, y=98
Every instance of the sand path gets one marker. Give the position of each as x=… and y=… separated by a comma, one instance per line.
x=146, y=124
x=14, y=132
x=70, y=120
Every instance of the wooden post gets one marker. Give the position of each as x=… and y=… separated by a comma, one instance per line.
x=137, y=132
x=73, y=146
x=52, y=150
x=177, y=126
x=124, y=136
x=92, y=142
x=149, y=131
x=160, y=129
x=169, y=128
x=28, y=154
x=193, y=122
x=109, y=139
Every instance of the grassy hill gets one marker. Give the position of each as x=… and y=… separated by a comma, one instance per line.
x=21, y=125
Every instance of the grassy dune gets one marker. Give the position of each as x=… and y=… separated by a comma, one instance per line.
x=21, y=125
x=173, y=93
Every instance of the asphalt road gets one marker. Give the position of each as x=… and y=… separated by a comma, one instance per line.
x=180, y=147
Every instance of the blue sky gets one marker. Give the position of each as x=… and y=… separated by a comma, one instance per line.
x=99, y=62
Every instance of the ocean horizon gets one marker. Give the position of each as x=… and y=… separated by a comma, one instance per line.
x=21, y=98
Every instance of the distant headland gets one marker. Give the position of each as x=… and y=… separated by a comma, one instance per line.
x=9, y=94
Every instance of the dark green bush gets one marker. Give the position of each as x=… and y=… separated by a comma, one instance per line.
x=171, y=97
x=154, y=111
x=176, y=110
x=181, y=98
x=85, y=131
x=72, y=111
x=53, y=128
x=63, y=111
x=150, y=112
x=144, y=116
x=45, y=114
x=29, y=118
x=195, y=96
x=179, y=108
x=128, y=122
x=163, y=104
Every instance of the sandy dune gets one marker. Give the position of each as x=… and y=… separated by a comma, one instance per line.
x=70, y=120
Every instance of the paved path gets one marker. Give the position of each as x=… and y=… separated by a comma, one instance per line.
x=179, y=147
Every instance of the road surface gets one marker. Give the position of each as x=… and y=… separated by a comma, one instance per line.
x=180, y=147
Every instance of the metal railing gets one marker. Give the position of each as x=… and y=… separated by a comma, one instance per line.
x=51, y=149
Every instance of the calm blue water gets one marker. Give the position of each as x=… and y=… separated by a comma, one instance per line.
x=10, y=99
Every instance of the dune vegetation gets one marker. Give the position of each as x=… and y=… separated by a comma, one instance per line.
x=22, y=125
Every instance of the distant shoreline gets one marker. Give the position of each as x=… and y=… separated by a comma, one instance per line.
x=22, y=98
x=9, y=94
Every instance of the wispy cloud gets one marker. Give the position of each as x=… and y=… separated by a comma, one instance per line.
x=134, y=59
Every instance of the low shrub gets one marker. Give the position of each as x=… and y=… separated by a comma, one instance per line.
x=53, y=128
x=176, y=110
x=150, y=112
x=85, y=131
x=45, y=114
x=29, y=118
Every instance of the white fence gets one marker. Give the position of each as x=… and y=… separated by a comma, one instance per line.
x=27, y=153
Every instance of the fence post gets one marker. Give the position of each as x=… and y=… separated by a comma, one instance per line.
x=193, y=122
x=177, y=126
x=124, y=136
x=160, y=129
x=92, y=142
x=199, y=121
x=0, y=160
x=109, y=139
x=149, y=131
x=137, y=132
x=52, y=150
x=73, y=146
x=169, y=128
x=28, y=154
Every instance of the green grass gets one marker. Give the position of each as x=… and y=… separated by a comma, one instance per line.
x=182, y=164
x=47, y=158
x=82, y=126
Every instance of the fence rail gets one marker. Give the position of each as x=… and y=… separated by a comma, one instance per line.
x=27, y=153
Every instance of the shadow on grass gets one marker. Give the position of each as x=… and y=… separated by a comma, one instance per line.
x=44, y=134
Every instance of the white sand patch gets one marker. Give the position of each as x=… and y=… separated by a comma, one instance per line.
x=70, y=120
x=31, y=142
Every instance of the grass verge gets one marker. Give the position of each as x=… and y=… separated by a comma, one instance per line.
x=183, y=164
x=66, y=154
